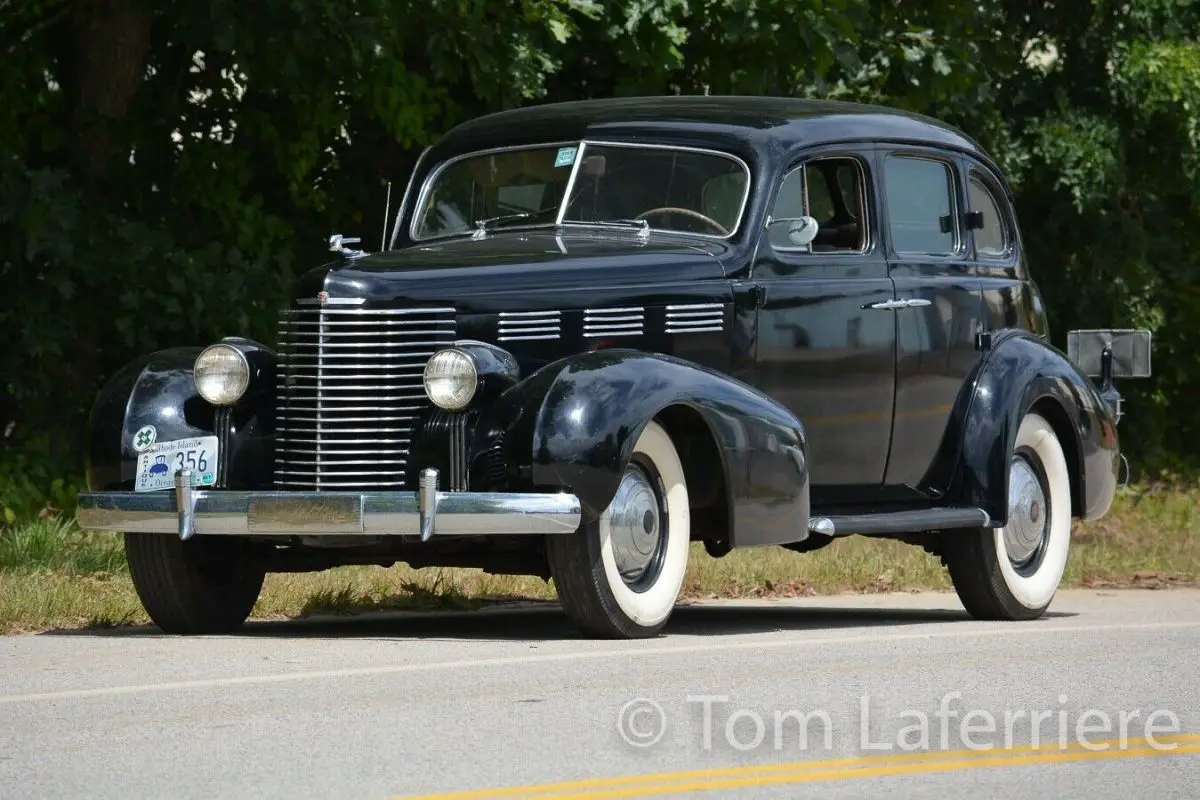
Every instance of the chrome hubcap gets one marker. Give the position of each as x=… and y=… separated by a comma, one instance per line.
x=635, y=527
x=1028, y=514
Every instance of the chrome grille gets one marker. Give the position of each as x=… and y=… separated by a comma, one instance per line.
x=449, y=430
x=350, y=393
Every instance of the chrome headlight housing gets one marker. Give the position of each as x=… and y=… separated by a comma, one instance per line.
x=451, y=379
x=222, y=374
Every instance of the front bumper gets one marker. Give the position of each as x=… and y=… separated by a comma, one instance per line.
x=426, y=512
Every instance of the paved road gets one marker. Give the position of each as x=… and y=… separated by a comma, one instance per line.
x=395, y=706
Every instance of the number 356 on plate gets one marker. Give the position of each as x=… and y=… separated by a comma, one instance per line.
x=157, y=465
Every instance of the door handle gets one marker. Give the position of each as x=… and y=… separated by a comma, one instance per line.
x=896, y=305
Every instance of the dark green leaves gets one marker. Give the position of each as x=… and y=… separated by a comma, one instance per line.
x=254, y=130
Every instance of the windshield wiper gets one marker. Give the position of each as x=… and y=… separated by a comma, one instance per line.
x=642, y=225
x=482, y=226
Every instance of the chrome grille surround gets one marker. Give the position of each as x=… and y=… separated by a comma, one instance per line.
x=349, y=393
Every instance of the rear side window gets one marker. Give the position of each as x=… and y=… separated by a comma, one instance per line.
x=991, y=233
x=921, y=206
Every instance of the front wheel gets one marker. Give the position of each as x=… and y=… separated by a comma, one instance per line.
x=198, y=586
x=1012, y=573
x=620, y=576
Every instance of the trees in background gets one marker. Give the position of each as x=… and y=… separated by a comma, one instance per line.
x=167, y=168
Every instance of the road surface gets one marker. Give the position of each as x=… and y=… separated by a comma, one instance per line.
x=861, y=696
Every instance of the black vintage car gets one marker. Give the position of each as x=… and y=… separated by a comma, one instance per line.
x=604, y=330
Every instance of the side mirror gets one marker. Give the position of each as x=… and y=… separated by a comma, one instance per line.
x=800, y=230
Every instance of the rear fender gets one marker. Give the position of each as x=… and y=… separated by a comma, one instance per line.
x=1024, y=373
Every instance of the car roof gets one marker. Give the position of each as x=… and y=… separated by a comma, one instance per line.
x=749, y=121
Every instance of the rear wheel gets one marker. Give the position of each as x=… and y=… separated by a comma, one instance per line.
x=198, y=586
x=620, y=576
x=1012, y=573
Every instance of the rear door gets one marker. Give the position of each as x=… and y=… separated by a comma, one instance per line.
x=930, y=261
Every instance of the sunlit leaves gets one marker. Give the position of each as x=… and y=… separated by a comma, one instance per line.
x=1160, y=82
x=1083, y=150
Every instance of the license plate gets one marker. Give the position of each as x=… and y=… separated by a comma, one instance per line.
x=158, y=464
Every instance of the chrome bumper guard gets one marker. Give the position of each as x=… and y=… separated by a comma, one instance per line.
x=426, y=512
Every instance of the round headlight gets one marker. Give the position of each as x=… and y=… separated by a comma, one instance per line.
x=222, y=374
x=451, y=379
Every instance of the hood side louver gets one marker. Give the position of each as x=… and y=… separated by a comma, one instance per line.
x=525, y=326
x=695, y=318
x=609, y=322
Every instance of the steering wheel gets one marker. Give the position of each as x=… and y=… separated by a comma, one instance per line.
x=687, y=212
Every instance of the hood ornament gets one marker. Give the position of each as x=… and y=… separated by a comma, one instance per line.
x=337, y=244
x=323, y=299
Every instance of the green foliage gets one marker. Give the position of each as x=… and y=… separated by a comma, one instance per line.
x=1084, y=148
x=166, y=170
x=55, y=545
x=32, y=483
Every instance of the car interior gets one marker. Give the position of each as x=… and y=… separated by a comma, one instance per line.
x=830, y=191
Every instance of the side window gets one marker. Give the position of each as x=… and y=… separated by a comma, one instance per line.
x=833, y=192
x=991, y=238
x=921, y=206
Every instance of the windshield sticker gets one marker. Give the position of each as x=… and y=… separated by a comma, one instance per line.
x=565, y=157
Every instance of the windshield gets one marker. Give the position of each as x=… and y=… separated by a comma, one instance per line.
x=664, y=188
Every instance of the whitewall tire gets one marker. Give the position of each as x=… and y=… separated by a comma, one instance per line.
x=620, y=576
x=1013, y=573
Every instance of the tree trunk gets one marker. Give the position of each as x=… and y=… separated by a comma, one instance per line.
x=109, y=42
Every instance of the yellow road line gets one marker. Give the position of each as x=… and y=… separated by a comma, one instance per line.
x=876, y=772
x=830, y=769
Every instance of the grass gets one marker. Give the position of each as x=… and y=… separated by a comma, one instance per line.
x=54, y=576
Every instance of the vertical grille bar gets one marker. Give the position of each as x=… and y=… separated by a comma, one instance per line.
x=458, y=454
x=223, y=427
x=350, y=393
x=323, y=328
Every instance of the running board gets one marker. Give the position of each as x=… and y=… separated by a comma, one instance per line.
x=901, y=521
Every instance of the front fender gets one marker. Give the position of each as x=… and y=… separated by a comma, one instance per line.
x=158, y=389
x=1023, y=371
x=575, y=423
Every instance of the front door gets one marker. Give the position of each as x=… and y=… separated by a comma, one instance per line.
x=823, y=350
x=930, y=261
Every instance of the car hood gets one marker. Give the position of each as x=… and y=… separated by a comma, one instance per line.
x=481, y=273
